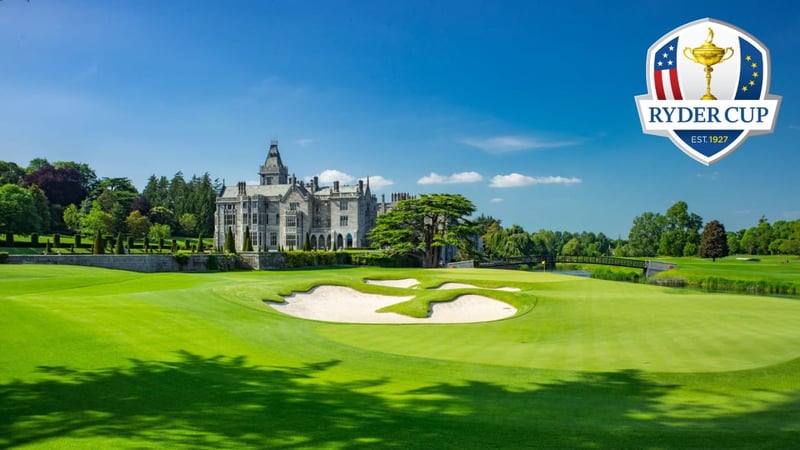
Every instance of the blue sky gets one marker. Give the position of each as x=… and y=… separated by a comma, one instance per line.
x=526, y=108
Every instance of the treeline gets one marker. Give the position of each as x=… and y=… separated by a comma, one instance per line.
x=69, y=197
x=677, y=232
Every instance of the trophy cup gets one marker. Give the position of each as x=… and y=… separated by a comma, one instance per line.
x=708, y=54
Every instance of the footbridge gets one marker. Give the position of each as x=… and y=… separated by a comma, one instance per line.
x=549, y=261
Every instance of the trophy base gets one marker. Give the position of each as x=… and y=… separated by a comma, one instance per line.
x=708, y=96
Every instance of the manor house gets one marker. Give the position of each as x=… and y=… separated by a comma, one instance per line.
x=280, y=211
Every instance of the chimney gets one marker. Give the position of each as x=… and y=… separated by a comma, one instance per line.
x=316, y=183
x=335, y=186
x=360, y=186
x=242, y=188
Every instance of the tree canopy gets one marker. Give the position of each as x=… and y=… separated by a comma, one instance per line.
x=18, y=212
x=713, y=241
x=421, y=227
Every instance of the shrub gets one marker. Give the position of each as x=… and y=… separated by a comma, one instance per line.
x=160, y=244
x=147, y=244
x=77, y=239
x=212, y=263
x=182, y=258
x=34, y=239
x=3, y=257
x=56, y=240
x=130, y=244
x=174, y=246
x=98, y=248
x=118, y=246
x=200, y=248
x=9, y=239
x=616, y=275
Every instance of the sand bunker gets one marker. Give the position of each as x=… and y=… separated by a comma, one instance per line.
x=343, y=304
x=404, y=283
x=464, y=286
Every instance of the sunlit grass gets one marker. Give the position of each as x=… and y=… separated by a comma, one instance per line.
x=101, y=358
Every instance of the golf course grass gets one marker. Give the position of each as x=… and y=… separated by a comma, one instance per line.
x=96, y=358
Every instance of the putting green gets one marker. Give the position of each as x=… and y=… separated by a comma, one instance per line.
x=590, y=325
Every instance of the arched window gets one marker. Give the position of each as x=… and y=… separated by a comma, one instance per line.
x=349, y=240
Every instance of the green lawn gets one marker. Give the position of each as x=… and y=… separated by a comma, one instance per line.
x=100, y=358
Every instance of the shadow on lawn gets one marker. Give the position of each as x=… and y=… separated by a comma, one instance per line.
x=203, y=402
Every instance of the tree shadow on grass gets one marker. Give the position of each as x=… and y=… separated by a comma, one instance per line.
x=225, y=402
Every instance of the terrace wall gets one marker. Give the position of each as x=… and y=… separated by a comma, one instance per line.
x=134, y=263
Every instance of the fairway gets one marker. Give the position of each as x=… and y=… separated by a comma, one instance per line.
x=102, y=358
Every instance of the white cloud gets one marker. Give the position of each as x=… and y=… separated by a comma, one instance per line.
x=505, y=144
x=304, y=142
x=328, y=176
x=377, y=182
x=456, y=178
x=496, y=200
x=519, y=180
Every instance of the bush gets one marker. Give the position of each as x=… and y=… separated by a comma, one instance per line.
x=3, y=257
x=182, y=258
x=56, y=240
x=298, y=258
x=379, y=259
x=616, y=275
x=130, y=244
x=34, y=239
x=77, y=239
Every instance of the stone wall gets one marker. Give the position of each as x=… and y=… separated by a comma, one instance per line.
x=135, y=263
x=261, y=261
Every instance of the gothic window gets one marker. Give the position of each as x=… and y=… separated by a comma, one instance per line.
x=343, y=221
x=273, y=239
x=343, y=205
x=291, y=240
x=294, y=206
x=291, y=221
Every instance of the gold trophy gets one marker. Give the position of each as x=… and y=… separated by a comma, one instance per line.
x=708, y=54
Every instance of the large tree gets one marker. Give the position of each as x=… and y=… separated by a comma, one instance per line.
x=18, y=213
x=61, y=185
x=10, y=173
x=645, y=234
x=714, y=241
x=421, y=227
x=681, y=232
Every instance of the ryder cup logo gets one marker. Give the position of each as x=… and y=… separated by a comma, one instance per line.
x=708, y=89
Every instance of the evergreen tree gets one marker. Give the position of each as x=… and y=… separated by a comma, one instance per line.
x=147, y=244
x=714, y=241
x=247, y=246
x=98, y=248
x=200, y=246
x=307, y=244
x=230, y=245
x=174, y=246
x=118, y=249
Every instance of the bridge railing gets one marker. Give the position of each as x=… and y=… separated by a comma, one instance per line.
x=605, y=260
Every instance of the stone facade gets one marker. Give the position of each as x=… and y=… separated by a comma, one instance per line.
x=280, y=211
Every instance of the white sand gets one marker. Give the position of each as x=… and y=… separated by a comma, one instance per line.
x=464, y=286
x=404, y=283
x=343, y=304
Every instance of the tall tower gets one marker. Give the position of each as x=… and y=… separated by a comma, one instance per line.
x=273, y=171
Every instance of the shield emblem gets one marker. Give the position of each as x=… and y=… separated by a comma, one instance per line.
x=708, y=89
